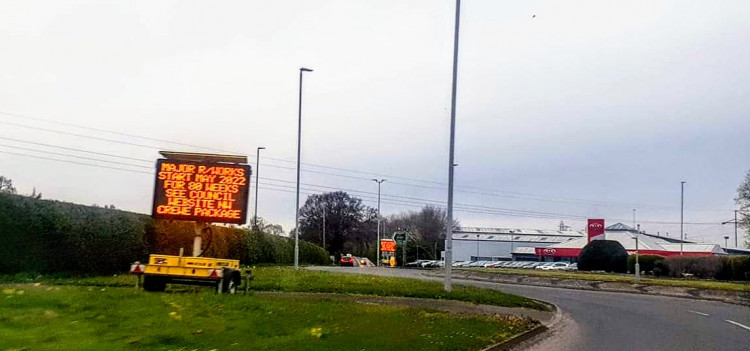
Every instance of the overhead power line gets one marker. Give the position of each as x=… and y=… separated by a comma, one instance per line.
x=435, y=184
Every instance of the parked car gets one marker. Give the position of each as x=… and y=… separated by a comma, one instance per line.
x=572, y=267
x=417, y=263
x=555, y=266
x=533, y=265
x=545, y=264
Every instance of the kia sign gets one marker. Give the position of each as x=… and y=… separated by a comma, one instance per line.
x=549, y=251
x=595, y=229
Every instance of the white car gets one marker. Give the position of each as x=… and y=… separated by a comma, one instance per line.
x=554, y=266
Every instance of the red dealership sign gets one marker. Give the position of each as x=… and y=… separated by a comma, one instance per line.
x=595, y=229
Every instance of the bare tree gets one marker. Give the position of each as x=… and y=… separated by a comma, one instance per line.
x=6, y=185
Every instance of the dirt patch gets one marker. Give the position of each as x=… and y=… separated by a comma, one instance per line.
x=449, y=306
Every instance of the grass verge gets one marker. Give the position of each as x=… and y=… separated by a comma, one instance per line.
x=619, y=278
x=286, y=279
x=43, y=317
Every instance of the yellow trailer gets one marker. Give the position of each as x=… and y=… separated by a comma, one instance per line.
x=224, y=274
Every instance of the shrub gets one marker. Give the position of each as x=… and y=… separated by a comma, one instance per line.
x=603, y=255
x=645, y=261
x=734, y=268
x=42, y=236
x=702, y=267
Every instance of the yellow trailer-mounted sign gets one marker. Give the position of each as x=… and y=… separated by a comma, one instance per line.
x=163, y=269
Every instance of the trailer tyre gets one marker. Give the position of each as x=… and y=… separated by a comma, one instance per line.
x=232, y=279
x=156, y=284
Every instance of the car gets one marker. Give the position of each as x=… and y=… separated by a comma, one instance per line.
x=417, y=263
x=493, y=264
x=571, y=267
x=543, y=265
x=460, y=263
x=533, y=265
x=348, y=261
x=554, y=266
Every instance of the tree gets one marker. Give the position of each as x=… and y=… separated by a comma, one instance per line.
x=349, y=225
x=743, y=201
x=426, y=229
x=269, y=228
x=6, y=185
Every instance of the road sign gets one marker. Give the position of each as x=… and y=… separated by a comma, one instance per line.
x=400, y=237
x=201, y=191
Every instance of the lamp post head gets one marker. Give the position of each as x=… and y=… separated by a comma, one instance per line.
x=261, y=147
x=303, y=69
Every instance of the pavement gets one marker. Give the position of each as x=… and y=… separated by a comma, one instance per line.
x=598, y=320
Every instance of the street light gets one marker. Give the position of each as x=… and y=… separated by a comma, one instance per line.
x=299, y=148
x=451, y=158
x=682, y=213
x=377, y=244
x=257, y=174
x=725, y=241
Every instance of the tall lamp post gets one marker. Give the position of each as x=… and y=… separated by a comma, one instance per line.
x=257, y=174
x=451, y=158
x=299, y=148
x=682, y=213
x=726, y=238
x=377, y=244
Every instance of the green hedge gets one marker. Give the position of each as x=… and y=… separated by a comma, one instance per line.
x=710, y=267
x=646, y=262
x=43, y=236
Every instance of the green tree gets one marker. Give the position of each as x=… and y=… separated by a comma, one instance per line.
x=6, y=185
x=349, y=225
x=426, y=228
x=743, y=201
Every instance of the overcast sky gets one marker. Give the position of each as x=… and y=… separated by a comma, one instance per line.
x=566, y=109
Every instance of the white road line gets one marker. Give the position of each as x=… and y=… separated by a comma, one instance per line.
x=700, y=313
x=738, y=324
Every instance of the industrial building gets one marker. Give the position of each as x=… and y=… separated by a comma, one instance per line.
x=504, y=244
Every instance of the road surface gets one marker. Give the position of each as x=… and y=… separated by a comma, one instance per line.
x=594, y=320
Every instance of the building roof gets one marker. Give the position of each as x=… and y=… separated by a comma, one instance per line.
x=646, y=243
x=518, y=231
x=620, y=227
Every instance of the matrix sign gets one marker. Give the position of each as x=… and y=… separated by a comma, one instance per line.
x=201, y=191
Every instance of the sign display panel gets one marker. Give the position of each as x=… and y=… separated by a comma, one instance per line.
x=387, y=245
x=596, y=229
x=201, y=191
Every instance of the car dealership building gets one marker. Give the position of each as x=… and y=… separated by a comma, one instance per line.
x=505, y=244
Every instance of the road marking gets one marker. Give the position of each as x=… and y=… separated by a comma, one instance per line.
x=700, y=313
x=738, y=324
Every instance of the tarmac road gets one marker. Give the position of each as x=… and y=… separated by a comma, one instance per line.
x=594, y=320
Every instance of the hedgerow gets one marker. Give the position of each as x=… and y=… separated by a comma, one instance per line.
x=43, y=236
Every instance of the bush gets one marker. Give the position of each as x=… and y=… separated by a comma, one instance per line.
x=734, y=268
x=603, y=255
x=645, y=261
x=42, y=236
x=702, y=267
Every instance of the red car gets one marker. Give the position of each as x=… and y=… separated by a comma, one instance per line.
x=348, y=261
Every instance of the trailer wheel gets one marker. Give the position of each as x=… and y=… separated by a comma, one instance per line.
x=231, y=281
x=156, y=284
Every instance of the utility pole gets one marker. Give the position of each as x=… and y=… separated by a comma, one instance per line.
x=637, y=264
x=377, y=244
x=324, y=228
x=257, y=174
x=299, y=149
x=682, y=213
x=451, y=158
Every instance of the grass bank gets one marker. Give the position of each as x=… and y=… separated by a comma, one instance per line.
x=286, y=279
x=42, y=317
x=619, y=278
